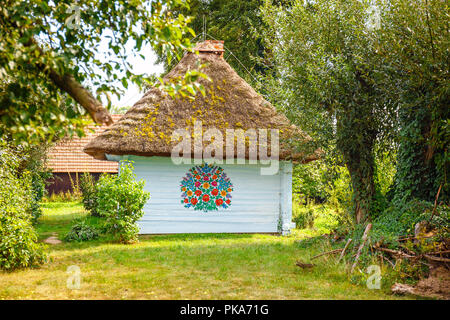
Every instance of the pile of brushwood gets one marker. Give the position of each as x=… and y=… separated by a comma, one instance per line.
x=410, y=246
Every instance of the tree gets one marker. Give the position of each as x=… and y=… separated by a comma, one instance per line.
x=414, y=43
x=50, y=57
x=328, y=80
x=238, y=24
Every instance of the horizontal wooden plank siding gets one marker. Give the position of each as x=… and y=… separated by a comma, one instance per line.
x=255, y=205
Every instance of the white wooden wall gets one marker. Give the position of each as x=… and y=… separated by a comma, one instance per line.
x=260, y=203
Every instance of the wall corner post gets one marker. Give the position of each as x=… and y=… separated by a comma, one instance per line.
x=286, y=198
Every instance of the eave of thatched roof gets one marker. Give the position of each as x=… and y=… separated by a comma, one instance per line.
x=230, y=103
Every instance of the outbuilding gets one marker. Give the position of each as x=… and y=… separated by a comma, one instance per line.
x=68, y=162
x=217, y=163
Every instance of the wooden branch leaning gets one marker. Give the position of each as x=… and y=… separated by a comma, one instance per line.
x=345, y=248
x=432, y=258
x=71, y=86
x=328, y=252
x=363, y=242
x=408, y=256
x=395, y=252
x=435, y=203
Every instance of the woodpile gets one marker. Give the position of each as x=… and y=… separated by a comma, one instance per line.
x=410, y=249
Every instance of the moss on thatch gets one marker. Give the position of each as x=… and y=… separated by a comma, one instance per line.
x=229, y=103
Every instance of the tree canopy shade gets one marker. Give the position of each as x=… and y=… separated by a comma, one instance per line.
x=50, y=59
x=368, y=74
x=325, y=55
x=414, y=44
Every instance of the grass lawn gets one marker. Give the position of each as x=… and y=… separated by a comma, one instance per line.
x=200, y=266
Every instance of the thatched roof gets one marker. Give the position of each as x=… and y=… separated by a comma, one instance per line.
x=229, y=102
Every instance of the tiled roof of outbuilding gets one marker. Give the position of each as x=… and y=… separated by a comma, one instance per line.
x=68, y=155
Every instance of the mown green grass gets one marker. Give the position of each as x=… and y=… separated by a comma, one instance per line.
x=184, y=266
x=58, y=216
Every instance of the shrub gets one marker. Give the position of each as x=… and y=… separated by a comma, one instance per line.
x=34, y=210
x=121, y=200
x=89, y=193
x=32, y=159
x=75, y=194
x=309, y=180
x=400, y=219
x=302, y=216
x=18, y=239
x=81, y=231
x=339, y=190
x=38, y=178
x=61, y=197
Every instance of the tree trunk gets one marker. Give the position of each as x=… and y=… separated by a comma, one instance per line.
x=356, y=140
x=363, y=189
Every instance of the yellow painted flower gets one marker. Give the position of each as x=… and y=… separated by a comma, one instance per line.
x=189, y=193
x=223, y=193
x=206, y=185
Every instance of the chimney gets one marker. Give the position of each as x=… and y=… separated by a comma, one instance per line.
x=211, y=46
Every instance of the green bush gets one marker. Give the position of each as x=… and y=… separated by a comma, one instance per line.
x=400, y=219
x=121, y=200
x=89, y=193
x=81, y=231
x=61, y=197
x=18, y=239
x=36, y=164
x=32, y=159
x=309, y=180
x=303, y=216
x=75, y=192
x=38, y=178
x=339, y=190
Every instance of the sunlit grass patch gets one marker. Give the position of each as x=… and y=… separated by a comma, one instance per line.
x=182, y=266
x=58, y=218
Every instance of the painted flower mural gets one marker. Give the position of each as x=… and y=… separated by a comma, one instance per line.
x=206, y=188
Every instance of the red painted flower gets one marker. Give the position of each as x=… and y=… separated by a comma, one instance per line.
x=206, y=188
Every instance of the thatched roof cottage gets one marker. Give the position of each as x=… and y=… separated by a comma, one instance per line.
x=227, y=181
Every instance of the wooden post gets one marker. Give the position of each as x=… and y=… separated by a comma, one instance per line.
x=361, y=246
x=345, y=248
x=286, y=197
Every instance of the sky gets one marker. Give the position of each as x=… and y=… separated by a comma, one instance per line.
x=138, y=65
x=147, y=66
